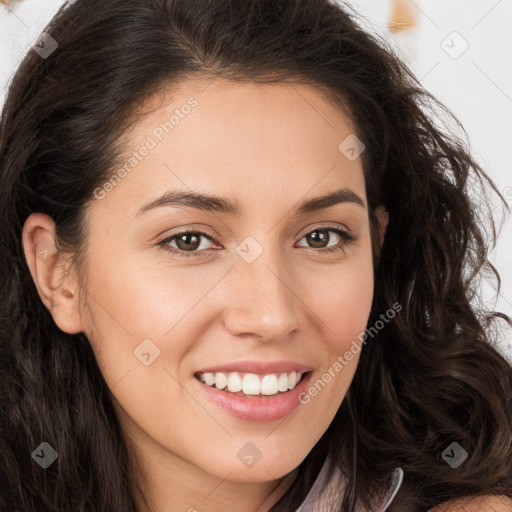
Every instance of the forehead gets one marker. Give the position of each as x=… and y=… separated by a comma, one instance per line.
x=237, y=138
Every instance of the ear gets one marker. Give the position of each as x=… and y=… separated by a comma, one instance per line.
x=51, y=272
x=383, y=218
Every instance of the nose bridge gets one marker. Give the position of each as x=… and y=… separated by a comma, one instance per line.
x=264, y=301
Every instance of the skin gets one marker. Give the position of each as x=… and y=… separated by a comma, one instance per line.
x=270, y=147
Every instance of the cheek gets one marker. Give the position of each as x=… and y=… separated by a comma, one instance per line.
x=341, y=301
x=133, y=301
x=344, y=306
x=342, y=298
x=140, y=299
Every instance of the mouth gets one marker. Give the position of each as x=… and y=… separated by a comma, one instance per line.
x=253, y=385
x=249, y=403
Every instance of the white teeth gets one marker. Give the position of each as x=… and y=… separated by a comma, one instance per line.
x=282, y=383
x=252, y=384
x=234, y=382
x=209, y=379
x=292, y=380
x=269, y=385
x=221, y=381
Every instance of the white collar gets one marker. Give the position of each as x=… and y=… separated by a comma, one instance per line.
x=330, y=499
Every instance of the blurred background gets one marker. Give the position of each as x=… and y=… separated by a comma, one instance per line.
x=460, y=50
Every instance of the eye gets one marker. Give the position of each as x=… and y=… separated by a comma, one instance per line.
x=320, y=237
x=188, y=243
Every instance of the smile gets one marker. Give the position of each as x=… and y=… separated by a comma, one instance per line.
x=242, y=383
x=254, y=406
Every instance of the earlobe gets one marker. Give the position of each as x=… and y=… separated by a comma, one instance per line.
x=383, y=219
x=55, y=285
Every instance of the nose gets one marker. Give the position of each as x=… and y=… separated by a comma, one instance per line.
x=264, y=300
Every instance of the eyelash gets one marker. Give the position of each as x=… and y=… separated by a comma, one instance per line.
x=346, y=237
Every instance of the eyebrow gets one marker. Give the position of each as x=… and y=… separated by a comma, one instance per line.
x=228, y=207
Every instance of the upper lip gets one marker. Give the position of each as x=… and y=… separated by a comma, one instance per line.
x=258, y=367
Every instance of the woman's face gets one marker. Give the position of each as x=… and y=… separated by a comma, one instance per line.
x=273, y=283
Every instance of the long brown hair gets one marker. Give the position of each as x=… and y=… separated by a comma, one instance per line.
x=430, y=377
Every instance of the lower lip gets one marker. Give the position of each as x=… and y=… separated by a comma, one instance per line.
x=270, y=408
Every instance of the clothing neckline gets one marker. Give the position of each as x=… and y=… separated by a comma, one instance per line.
x=328, y=490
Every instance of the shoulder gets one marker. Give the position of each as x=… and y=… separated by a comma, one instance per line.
x=490, y=503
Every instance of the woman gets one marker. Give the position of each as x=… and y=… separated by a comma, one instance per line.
x=239, y=263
